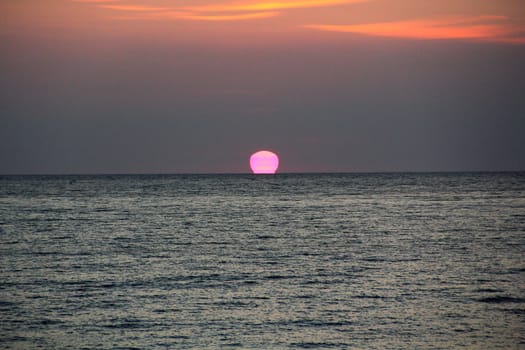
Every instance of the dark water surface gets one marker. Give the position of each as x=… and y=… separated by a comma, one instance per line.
x=356, y=261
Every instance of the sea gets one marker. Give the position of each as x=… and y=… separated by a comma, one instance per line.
x=285, y=261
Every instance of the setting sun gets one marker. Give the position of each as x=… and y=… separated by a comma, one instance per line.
x=264, y=162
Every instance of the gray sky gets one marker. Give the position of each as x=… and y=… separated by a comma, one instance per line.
x=121, y=99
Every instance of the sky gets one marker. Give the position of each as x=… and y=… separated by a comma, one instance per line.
x=197, y=86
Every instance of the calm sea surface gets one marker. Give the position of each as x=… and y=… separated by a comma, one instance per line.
x=349, y=261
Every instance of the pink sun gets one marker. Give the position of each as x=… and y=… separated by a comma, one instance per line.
x=264, y=162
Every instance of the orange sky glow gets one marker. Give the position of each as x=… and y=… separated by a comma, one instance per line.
x=490, y=28
x=487, y=21
x=306, y=14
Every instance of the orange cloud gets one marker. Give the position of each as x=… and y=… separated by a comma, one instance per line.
x=244, y=16
x=246, y=10
x=170, y=15
x=267, y=6
x=443, y=28
x=134, y=8
x=166, y=13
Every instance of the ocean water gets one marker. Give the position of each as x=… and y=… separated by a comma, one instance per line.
x=344, y=261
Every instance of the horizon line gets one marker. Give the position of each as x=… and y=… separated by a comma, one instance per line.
x=270, y=175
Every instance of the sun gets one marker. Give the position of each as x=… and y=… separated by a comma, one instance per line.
x=264, y=162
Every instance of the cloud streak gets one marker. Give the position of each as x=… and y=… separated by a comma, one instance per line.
x=244, y=16
x=472, y=28
x=133, y=8
x=175, y=15
x=268, y=6
x=487, y=28
x=228, y=11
